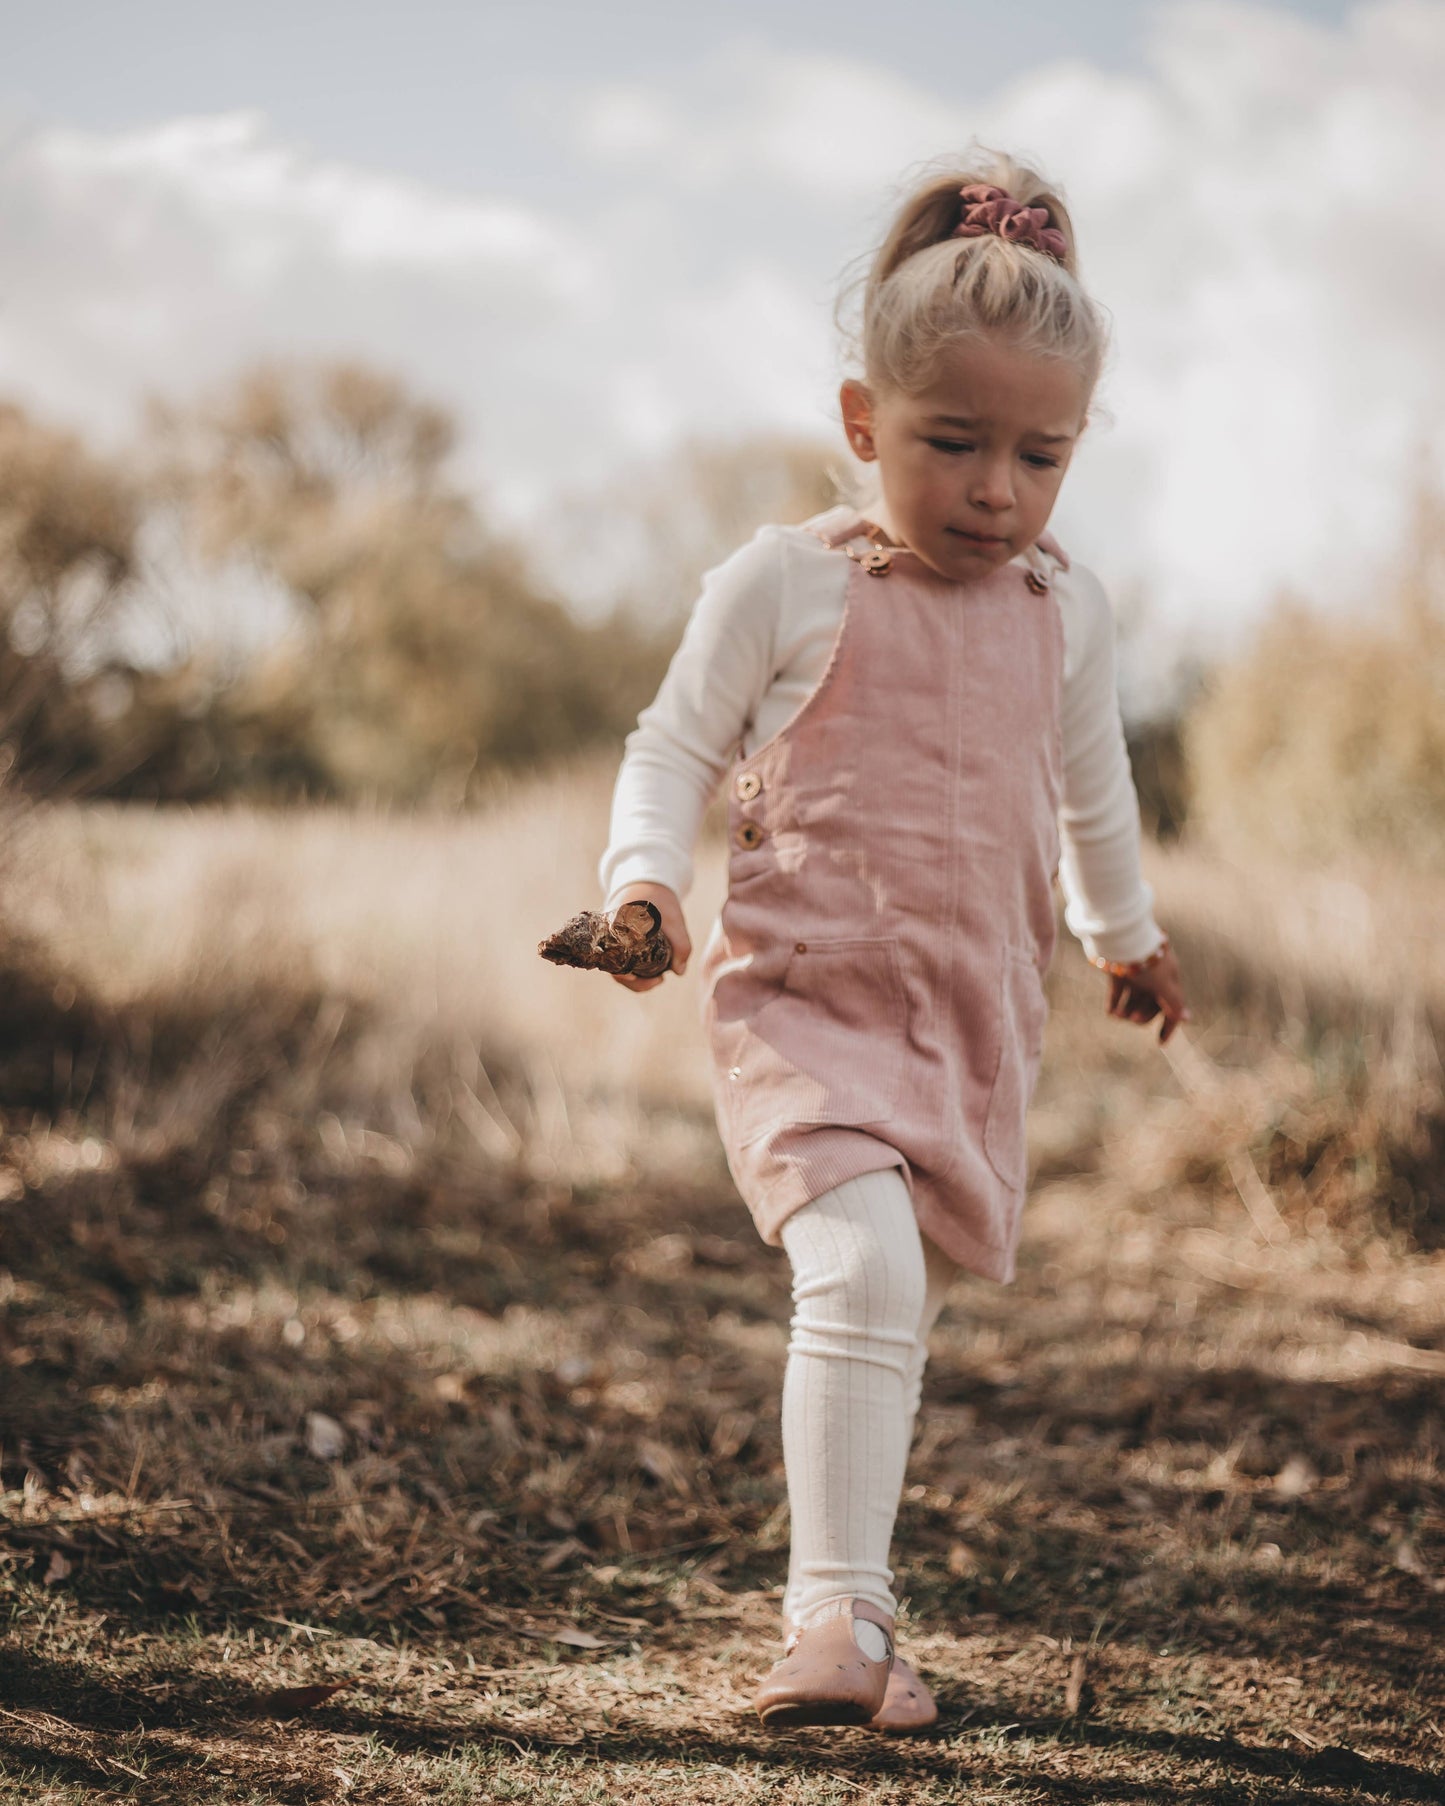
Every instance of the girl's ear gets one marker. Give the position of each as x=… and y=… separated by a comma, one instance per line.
x=857, y=408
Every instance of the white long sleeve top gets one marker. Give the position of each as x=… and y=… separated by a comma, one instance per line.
x=756, y=646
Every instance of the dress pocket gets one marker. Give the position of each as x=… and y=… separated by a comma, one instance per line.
x=1023, y=1011
x=827, y=1045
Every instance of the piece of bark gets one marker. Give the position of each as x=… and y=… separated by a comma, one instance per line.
x=632, y=942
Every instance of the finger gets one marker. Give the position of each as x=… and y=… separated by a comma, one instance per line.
x=629, y=981
x=1176, y=1011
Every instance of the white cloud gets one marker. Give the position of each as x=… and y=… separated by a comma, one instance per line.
x=162, y=259
x=1255, y=207
x=827, y=124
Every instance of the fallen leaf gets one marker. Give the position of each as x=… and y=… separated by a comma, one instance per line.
x=1074, y=1687
x=325, y=1438
x=1295, y=1478
x=578, y=1639
x=1406, y=1558
x=569, y=1635
x=58, y=1568
x=287, y=1702
x=657, y=1459
x=961, y=1560
x=558, y=1553
x=730, y=1434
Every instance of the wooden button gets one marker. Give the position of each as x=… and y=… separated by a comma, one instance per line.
x=748, y=785
x=800, y=947
x=748, y=835
x=1037, y=582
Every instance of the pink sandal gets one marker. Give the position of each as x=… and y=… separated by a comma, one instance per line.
x=824, y=1677
x=907, y=1704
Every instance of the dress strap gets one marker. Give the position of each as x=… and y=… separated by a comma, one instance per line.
x=1043, y=561
x=876, y=556
x=1051, y=548
x=838, y=526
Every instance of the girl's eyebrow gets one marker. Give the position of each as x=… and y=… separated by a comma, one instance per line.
x=963, y=421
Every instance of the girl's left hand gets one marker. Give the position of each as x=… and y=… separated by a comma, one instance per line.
x=1153, y=991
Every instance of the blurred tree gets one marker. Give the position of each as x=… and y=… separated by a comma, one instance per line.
x=653, y=532
x=397, y=646
x=67, y=545
x=422, y=649
x=710, y=498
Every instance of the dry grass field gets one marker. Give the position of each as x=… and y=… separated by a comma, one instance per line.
x=389, y=1373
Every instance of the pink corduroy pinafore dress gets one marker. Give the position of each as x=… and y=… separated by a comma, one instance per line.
x=872, y=990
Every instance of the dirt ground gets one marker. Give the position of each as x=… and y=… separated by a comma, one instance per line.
x=455, y=1401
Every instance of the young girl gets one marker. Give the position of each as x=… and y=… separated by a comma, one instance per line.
x=917, y=712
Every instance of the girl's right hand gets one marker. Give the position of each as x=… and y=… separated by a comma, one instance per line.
x=669, y=907
x=1156, y=990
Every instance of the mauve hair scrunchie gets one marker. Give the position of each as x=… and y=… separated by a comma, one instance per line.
x=988, y=209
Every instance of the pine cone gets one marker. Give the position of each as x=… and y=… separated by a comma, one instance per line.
x=632, y=942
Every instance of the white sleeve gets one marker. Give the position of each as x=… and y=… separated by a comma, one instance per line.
x=1107, y=903
x=684, y=739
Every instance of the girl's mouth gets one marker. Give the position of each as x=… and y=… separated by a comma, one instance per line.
x=978, y=539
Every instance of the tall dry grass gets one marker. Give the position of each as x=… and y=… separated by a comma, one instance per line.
x=1317, y=993
x=435, y=918
x=1325, y=739
x=430, y=921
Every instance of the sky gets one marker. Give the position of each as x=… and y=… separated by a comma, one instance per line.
x=593, y=232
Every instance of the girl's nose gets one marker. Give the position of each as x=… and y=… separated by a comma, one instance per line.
x=993, y=488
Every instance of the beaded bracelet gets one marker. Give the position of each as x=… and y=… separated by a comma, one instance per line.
x=1133, y=967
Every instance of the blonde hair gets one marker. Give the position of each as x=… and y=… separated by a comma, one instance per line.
x=925, y=289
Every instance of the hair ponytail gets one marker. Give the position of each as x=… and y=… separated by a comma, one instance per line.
x=926, y=287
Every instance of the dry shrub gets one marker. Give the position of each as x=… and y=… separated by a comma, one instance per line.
x=1329, y=735
x=424, y=650
x=67, y=546
x=420, y=648
x=413, y=648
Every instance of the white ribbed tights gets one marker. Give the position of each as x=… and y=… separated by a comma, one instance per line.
x=867, y=1288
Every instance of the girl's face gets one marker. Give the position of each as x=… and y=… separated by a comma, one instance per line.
x=970, y=466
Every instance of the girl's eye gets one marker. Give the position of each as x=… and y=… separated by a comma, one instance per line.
x=1041, y=461
x=952, y=445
